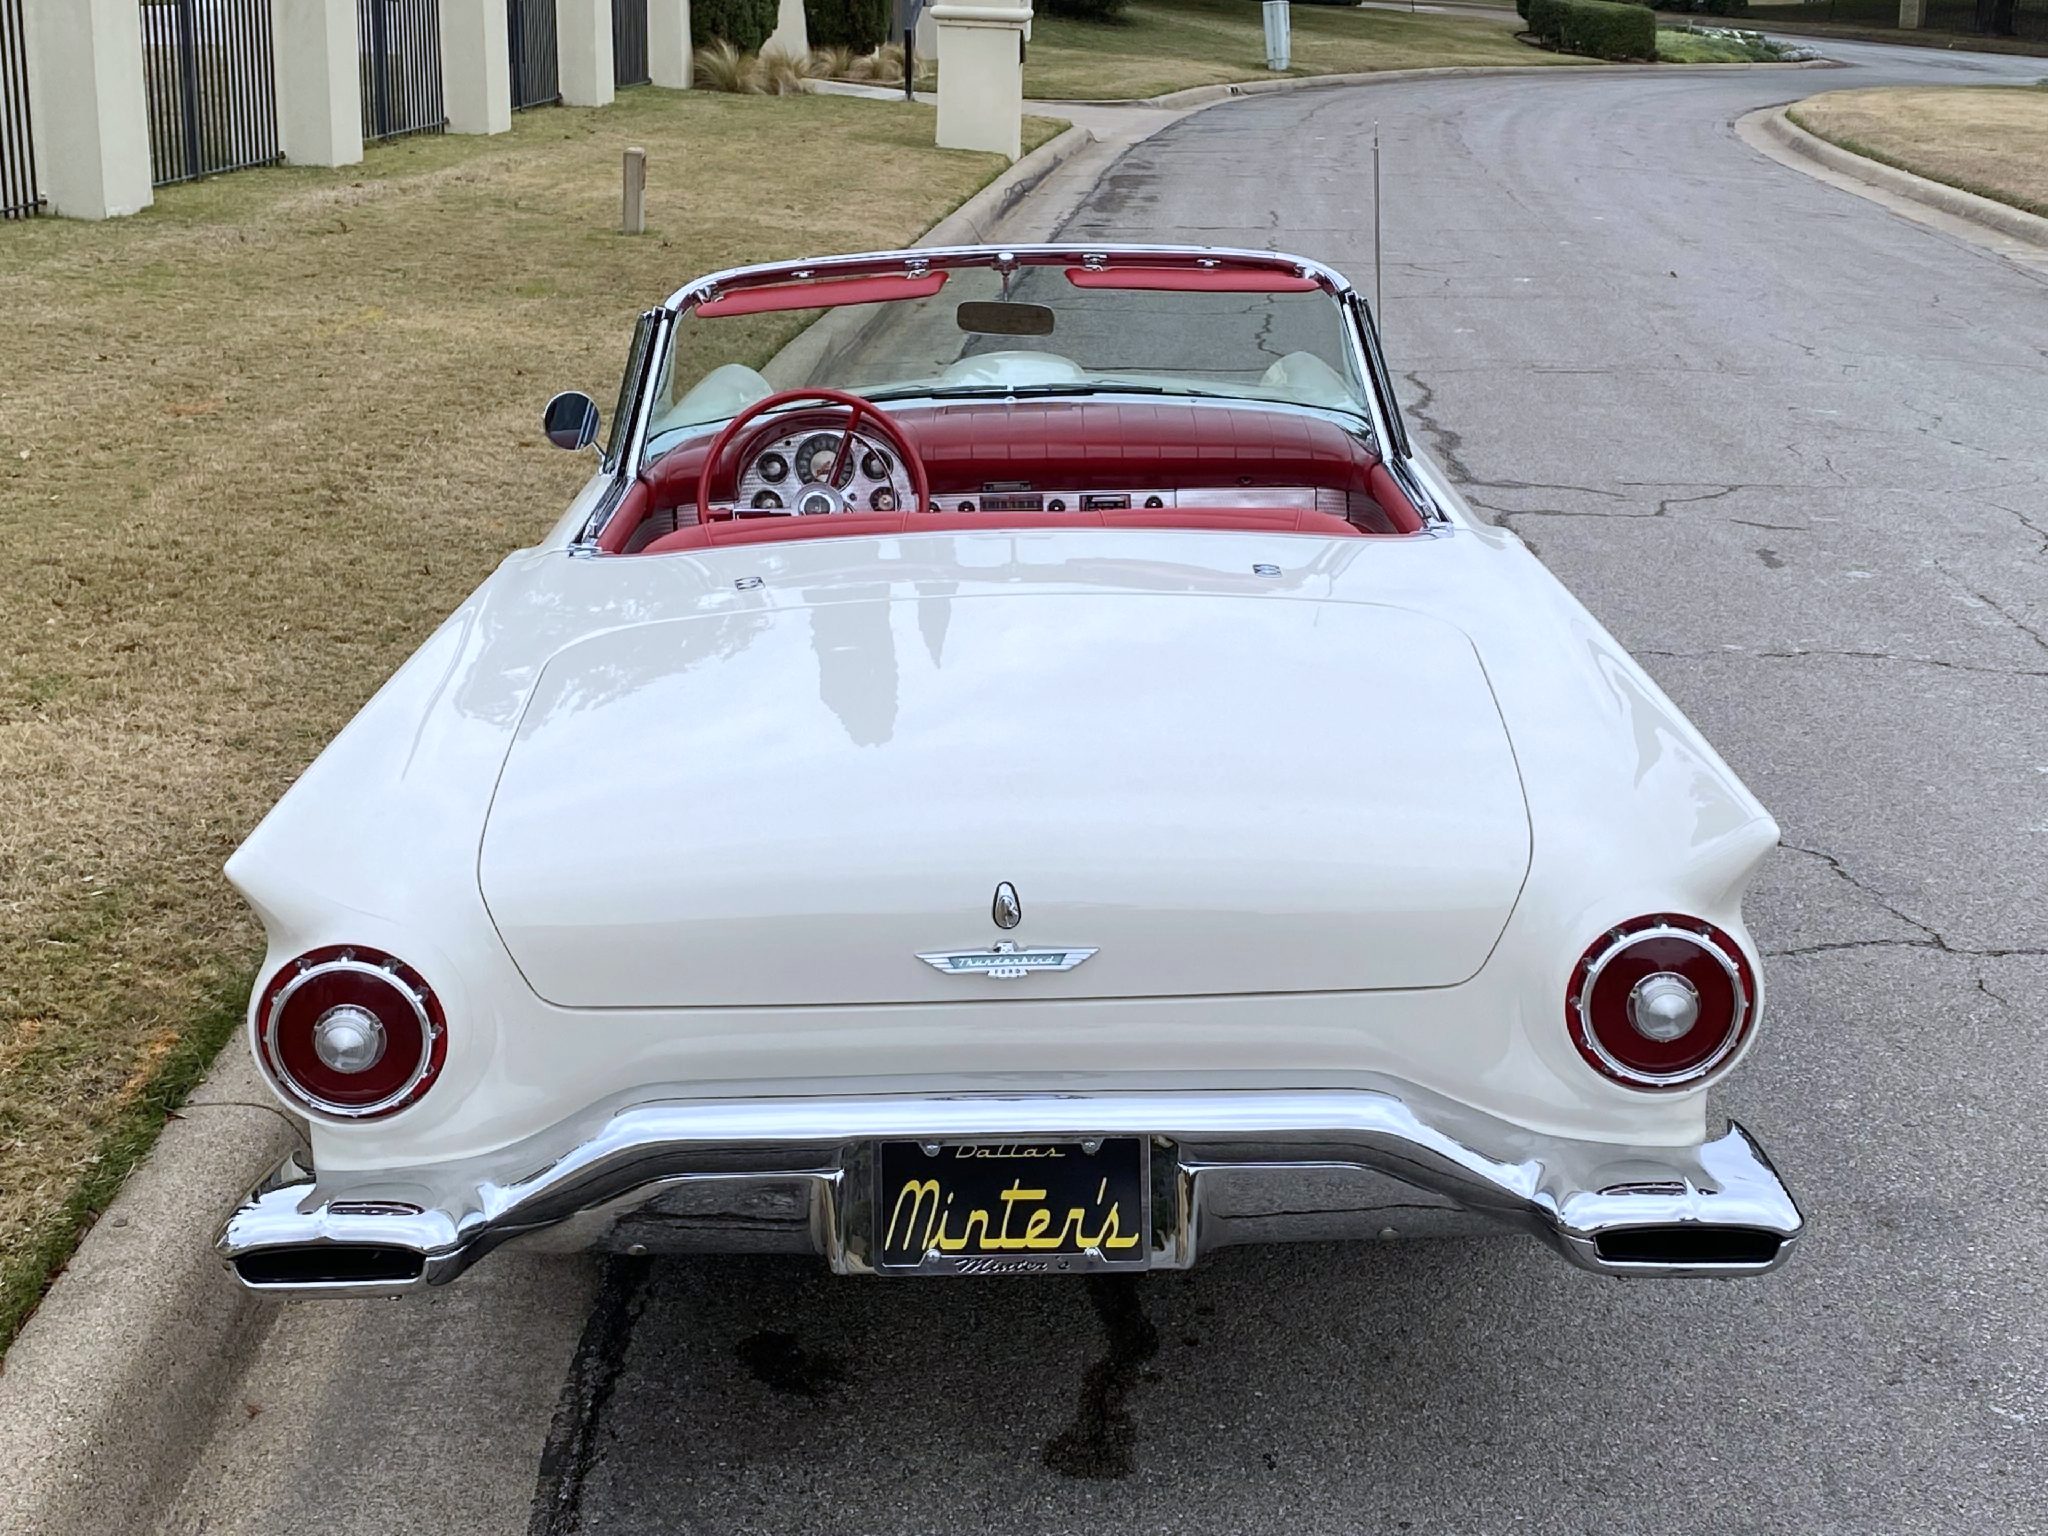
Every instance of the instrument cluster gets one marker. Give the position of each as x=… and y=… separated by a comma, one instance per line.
x=796, y=474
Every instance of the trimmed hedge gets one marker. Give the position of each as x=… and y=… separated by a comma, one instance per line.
x=862, y=25
x=743, y=23
x=1597, y=28
x=1090, y=10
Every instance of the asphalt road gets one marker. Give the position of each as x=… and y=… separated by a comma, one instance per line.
x=1794, y=451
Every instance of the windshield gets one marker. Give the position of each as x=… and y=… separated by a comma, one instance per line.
x=1038, y=335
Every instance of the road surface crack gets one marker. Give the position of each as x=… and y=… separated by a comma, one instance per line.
x=1929, y=936
x=1098, y=1446
x=571, y=1449
x=1801, y=655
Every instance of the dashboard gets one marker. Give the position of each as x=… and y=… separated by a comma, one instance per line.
x=794, y=474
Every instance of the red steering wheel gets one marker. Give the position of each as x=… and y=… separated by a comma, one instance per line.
x=855, y=408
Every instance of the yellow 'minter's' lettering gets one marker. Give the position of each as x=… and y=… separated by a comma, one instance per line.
x=982, y=1231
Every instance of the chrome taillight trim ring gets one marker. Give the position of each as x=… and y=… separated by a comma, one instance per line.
x=415, y=1082
x=1624, y=937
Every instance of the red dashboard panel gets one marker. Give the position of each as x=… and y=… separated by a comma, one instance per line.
x=1084, y=445
x=1103, y=445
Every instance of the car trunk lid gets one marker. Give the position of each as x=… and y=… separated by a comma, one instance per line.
x=788, y=806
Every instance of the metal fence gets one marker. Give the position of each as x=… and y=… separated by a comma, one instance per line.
x=1981, y=18
x=536, y=73
x=18, y=195
x=211, y=84
x=629, y=42
x=401, y=47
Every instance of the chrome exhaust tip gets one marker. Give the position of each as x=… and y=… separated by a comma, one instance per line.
x=1689, y=1248
x=373, y=1268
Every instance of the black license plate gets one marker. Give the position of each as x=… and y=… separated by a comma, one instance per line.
x=1012, y=1208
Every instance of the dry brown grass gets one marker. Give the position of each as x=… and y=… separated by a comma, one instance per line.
x=253, y=445
x=1987, y=139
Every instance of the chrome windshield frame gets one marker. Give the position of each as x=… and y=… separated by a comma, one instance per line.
x=1383, y=412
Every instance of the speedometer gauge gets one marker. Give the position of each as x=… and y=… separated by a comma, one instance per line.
x=814, y=457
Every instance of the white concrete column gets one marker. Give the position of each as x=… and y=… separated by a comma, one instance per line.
x=1913, y=14
x=583, y=49
x=792, y=32
x=981, y=76
x=90, y=116
x=476, y=66
x=319, y=82
x=669, y=60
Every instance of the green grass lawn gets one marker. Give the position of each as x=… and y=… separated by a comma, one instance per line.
x=1168, y=45
x=254, y=444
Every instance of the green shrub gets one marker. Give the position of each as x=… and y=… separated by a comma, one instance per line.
x=861, y=25
x=743, y=23
x=1084, y=10
x=1597, y=28
x=1522, y=9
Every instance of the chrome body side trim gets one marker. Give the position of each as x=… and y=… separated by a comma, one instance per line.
x=1228, y=1167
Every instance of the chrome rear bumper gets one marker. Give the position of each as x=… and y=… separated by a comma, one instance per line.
x=792, y=1175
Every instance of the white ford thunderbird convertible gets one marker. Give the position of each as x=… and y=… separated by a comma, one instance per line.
x=1041, y=777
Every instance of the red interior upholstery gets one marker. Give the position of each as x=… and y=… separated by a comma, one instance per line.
x=769, y=530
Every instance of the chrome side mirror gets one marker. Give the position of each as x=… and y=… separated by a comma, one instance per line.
x=570, y=420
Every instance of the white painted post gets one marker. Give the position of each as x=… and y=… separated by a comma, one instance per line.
x=1912, y=14
x=319, y=82
x=583, y=51
x=633, y=200
x=476, y=66
x=90, y=117
x=669, y=60
x=792, y=32
x=981, y=76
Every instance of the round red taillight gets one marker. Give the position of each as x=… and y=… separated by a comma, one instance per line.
x=1659, y=1002
x=351, y=1031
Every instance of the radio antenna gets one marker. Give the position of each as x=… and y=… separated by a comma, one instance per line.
x=1378, y=305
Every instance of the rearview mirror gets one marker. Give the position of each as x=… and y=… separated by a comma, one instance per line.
x=991, y=318
x=570, y=420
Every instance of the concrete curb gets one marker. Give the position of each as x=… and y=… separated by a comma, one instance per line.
x=1773, y=124
x=1205, y=95
x=109, y=1391
x=1208, y=95
x=964, y=225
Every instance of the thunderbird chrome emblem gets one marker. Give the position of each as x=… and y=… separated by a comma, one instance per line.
x=1004, y=961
